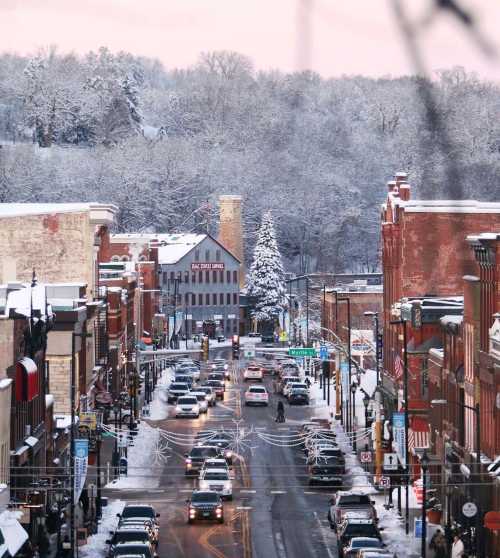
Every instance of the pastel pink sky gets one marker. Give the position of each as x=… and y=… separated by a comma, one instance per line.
x=347, y=36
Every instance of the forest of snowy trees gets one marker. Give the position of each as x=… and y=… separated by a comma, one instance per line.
x=316, y=152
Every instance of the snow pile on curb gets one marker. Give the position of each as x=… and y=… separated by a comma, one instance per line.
x=141, y=470
x=158, y=408
x=96, y=545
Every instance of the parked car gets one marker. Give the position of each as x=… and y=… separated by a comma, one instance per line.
x=298, y=396
x=354, y=526
x=136, y=514
x=344, y=502
x=253, y=373
x=217, y=480
x=291, y=385
x=324, y=454
x=205, y=506
x=256, y=395
x=196, y=457
x=187, y=406
x=330, y=473
x=358, y=543
x=128, y=534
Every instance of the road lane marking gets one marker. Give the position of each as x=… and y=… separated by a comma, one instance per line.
x=325, y=542
x=280, y=547
x=278, y=492
x=244, y=491
x=244, y=508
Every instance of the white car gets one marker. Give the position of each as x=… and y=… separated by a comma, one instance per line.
x=214, y=463
x=209, y=394
x=287, y=389
x=217, y=480
x=256, y=395
x=202, y=399
x=187, y=406
x=253, y=373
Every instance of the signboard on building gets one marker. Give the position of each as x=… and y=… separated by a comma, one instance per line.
x=201, y=266
x=398, y=432
x=217, y=316
x=231, y=316
x=391, y=462
x=81, y=449
x=88, y=419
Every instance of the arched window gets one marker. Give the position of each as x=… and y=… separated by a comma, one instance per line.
x=115, y=258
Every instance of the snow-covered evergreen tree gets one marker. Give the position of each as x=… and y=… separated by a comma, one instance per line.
x=266, y=278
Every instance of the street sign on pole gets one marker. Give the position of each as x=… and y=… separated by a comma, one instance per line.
x=391, y=462
x=385, y=482
x=323, y=352
x=302, y=352
x=366, y=457
x=469, y=509
x=398, y=432
x=249, y=353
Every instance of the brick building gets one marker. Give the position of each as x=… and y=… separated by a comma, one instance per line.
x=231, y=230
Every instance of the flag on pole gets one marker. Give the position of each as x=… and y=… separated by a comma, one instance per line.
x=398, y=367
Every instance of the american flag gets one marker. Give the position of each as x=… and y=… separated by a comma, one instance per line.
x=398, y=367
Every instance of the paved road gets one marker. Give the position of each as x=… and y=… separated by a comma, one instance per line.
x=274, y=513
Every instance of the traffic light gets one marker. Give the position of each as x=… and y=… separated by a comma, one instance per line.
x=205, y=346
x=236, y=346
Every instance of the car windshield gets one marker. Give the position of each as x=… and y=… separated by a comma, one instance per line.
x=203, y=452
x=206, y=389
x=133, y=550
x=178, y=386
x=137, y=511
x=200, y=396
x=130, y=536
x=204, y=497
x=187, y=400
x=360, y=529
x=355, y=499
x=215, y=383
x=365, y=543
x=216, y=475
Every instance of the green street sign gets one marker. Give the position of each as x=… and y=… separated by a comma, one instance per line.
x=302, y=352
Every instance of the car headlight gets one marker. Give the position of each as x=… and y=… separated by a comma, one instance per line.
x=213, y=366
x=188, y=463
x=218, y=511
x=177, y=409
x=192, y=512
x=229, y=453
x=226, y=366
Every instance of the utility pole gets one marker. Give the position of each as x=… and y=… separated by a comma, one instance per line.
x=378, y=437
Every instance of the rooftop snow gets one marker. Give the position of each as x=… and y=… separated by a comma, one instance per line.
x=446, y=206
x=174, y=247
x=18, y=209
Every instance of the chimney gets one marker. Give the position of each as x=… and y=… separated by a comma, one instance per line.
x=231, y=229
x=404, y=191
x=400, y=177
x=391, y=185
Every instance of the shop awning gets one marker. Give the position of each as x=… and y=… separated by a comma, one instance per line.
x=419, y=435
x=12, y=532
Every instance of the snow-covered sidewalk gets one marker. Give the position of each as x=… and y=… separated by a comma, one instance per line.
x=96, y=544
x=158, y=408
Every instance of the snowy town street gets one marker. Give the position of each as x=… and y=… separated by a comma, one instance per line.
x=249, y=279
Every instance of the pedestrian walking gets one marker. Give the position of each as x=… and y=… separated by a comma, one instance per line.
x=308, y=382
x=43, y=543
x=438, y=544
x=457, y=548
x=281, y=412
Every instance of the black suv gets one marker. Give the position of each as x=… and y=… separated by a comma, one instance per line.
x=205, y=505
x=196, y=457
x=128, y=535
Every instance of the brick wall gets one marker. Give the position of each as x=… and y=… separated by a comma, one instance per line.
x=231, y=229
x=60, y=377
x=58, y=246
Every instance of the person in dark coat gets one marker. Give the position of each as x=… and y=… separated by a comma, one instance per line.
x=43, y=544
x=281, y=412
x=438, y=544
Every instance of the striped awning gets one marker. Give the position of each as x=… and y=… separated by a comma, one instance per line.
x=419, y=435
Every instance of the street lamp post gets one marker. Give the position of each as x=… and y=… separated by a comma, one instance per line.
x=348, y=301
x=374, y=315
x=354, y=387
x=405, y=396
x=98, y=505
x=424, y=462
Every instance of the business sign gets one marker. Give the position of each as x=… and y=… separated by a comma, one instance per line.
x=398, y=433
x=218, y=317
x=81, y=453
x=469, y=509
x=366, y=457
x=88, y=419
x=385, y=482
x=201, y=266
x=231, y=316
x=344, y=378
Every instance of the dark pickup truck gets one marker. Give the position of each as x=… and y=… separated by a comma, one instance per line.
x=328, y=472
